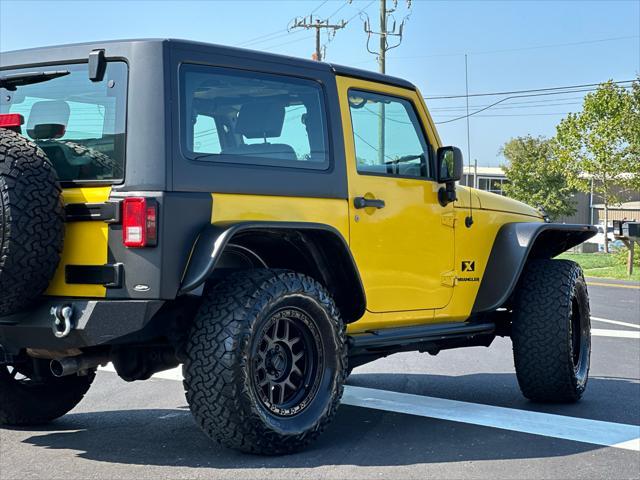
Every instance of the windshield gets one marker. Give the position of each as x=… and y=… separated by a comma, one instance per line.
x=80, y=124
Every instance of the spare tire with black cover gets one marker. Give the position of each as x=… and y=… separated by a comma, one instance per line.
x=31, y=222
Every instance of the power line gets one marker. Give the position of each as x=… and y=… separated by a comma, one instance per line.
x=287, y=43
x=508, y=98
x=442, y=97
x=534, y=47
x=510, y=107
x=525, y=104
x=556, y=45
x=274, y=37
x=344, y=4
x=362, y=10
x=520, y=49
x=330, y=38
x=516, y=115
x=318, y=7
x=374, y=148
x=278, y=33
x=254, y=40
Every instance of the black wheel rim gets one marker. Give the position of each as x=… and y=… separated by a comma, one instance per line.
x=287, y=362
x=579, y=336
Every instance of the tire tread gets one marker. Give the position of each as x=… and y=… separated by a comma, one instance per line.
x=215, y=374
x=31, y=222
x=541, y=331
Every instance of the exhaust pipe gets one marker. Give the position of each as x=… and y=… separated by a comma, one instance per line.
x=70, y=365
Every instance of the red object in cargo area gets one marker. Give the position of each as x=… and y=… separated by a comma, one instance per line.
x=11, y=120
x=139, y=222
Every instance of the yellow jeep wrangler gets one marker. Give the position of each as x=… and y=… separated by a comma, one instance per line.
x=267, y=222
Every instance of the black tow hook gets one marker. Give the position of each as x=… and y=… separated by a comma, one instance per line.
x=62, y=320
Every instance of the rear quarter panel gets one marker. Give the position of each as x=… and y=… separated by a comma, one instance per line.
x=238, y=207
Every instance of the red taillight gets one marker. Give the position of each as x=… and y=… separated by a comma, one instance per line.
x=139, y=222
x=11, y=120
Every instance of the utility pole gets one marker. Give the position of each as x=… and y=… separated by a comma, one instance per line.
x=384, y=34
x=386, y=17
x=310, y=22
x=466, y=86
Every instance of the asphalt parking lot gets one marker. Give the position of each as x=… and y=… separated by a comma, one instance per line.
x=449, y=426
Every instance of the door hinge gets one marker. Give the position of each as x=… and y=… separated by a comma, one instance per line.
x=108, y=212
x=449, y=219
x=449, y=279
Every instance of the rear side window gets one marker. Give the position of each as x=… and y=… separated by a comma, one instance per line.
x=78, y=123
x=252, y=118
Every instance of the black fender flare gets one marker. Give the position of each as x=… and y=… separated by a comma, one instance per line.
x=514, y=244
x=213, y=239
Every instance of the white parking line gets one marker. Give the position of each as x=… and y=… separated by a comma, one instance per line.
x=616, y=322
x=614, y=333
x=617, y=435
x=584, y=430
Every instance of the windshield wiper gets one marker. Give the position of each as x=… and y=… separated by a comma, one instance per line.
x=10, y=82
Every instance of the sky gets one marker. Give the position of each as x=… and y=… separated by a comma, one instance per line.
x=510, y=45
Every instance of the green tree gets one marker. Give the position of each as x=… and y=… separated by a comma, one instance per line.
x=633, y=126
x=536, y=176
x=601, y=142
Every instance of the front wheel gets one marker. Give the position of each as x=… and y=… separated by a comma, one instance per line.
x=266, y=361
x=551, y=331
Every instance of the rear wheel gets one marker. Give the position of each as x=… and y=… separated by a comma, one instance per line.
x=551, y=331
x=31, y=395
x=266, y=361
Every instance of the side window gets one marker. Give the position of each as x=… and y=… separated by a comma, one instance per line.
x=387, y=135
x=205, y=135
x=294, y=132
x=254, y=118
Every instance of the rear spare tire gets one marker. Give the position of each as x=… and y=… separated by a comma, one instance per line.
x=31, y=222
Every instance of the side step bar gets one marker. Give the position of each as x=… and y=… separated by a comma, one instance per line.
x=403, y=337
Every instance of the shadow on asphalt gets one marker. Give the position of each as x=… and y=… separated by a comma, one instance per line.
x=358, y=436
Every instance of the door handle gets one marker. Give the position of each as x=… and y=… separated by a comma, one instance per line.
x=361, y=202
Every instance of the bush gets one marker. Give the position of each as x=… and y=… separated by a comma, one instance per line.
x=622, y=254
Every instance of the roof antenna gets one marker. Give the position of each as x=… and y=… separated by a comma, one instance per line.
x=468, y=221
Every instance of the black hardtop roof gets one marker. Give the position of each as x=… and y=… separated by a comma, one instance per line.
x=58, y=52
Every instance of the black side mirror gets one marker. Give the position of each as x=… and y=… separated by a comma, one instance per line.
x=449, y=170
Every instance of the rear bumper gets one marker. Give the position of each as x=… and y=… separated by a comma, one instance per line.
x=95, y=322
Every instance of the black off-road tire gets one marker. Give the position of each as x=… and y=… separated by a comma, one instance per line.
x=221, y=362
x=551, y=331
x=38, y=400
x=31, y=222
